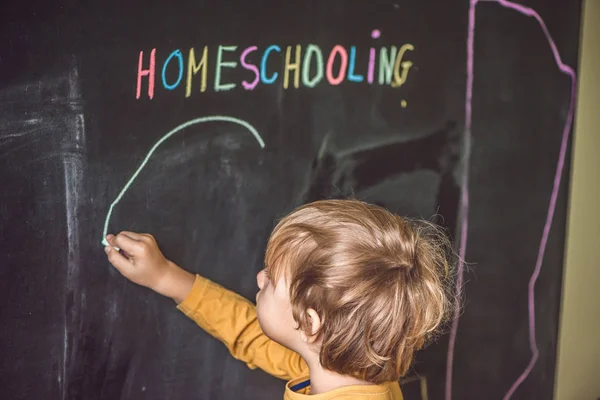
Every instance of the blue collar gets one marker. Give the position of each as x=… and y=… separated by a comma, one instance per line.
x=300, y=386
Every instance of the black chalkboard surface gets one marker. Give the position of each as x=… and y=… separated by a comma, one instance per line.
x=453, y=109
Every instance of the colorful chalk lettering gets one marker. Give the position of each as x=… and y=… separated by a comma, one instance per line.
x=371, y=70
x=222, y=64
x=291, y=66
x=146, y=72
x=193, y=69
x=250, y=67
x=351, y=75
x=312, y=50
x=400, y=78
x=386, y=64
x=343, y=56
x=263, y=65
x=299, y=65
x=179, y=56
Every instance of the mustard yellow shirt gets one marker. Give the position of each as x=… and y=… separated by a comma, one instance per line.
x=232, y=319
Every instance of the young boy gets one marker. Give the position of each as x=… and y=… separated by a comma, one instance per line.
x=349, y=292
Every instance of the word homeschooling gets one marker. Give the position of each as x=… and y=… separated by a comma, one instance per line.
x=310, y=67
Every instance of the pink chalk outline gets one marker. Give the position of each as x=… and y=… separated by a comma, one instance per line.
x=464, y=202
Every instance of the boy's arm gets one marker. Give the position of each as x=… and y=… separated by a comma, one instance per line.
x=222, y=313
x=232, y=319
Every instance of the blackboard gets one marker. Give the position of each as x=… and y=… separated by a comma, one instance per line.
x=451, y=90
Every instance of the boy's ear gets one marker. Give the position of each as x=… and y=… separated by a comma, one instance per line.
x=315, y=326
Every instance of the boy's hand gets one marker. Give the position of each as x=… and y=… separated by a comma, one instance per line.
x=144, y=264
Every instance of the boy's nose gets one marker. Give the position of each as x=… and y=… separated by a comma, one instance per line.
x=260, y=279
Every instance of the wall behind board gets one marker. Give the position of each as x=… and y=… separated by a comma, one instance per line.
x=452, y=108
x=579, y=351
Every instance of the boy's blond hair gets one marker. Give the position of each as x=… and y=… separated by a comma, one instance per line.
x=379, y=283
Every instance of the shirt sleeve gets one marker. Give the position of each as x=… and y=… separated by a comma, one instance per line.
x=232, y=319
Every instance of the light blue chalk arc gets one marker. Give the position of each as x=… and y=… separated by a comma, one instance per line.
x=212, y=118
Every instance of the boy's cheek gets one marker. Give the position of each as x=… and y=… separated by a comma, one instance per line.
x=261, y=314
x=264, y=325
x=265, y=321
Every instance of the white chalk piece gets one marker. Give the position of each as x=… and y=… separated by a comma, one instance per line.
x=105, y=243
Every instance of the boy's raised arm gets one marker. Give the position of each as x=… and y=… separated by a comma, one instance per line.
x=225, y=315
x=143, y=263
x=232, y=319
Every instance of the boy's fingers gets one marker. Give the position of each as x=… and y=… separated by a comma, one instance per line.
x=131, y=246
x=118, y=260
x=148, y=238
x=110, y=239
x=132, y=235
